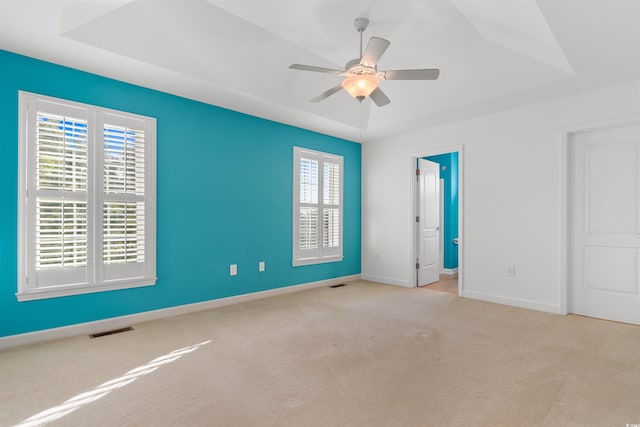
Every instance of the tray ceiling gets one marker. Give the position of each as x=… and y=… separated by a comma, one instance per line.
x=493, y=54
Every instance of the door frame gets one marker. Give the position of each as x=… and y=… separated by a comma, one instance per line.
x=414, y=204
x=442, y=230
x=566, y=134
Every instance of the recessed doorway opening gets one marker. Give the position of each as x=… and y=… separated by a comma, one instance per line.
x=437, y=205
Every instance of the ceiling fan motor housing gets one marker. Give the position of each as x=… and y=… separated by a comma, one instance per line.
x=354, y=67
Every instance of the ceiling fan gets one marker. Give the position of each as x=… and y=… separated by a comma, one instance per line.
x=361, y=76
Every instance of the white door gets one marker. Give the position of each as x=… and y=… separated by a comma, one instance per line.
x=605, y=230
x=428, y=222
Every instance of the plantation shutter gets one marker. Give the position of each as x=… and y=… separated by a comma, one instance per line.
x=331, y=207
x=57, y=195
x=87, y=184
x=123, y=204
x=308, y=211
x=317, y=212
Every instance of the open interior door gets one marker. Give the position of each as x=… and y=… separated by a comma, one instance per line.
x=428, y=222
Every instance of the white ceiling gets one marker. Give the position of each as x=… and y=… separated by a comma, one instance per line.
x=493, y=54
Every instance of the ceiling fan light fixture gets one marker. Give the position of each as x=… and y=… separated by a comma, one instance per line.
x=360, y=85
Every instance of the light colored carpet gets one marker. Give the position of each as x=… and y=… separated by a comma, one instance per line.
x=360, y=355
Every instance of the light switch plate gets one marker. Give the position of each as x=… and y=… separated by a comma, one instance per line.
x=233, y=269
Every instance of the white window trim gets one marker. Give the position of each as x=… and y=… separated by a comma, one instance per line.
x=26, y=227
x=323, y=255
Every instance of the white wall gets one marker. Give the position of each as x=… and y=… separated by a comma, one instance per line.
x=512, y=171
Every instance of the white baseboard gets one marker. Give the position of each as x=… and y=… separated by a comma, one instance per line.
x=387, y=280
x=515, y=302
x=122, y=321
x=449, y=271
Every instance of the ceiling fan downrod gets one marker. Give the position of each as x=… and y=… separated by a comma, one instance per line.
x=361, y=25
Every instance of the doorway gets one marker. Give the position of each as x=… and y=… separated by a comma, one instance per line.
x=448, y=213
x=603, y=221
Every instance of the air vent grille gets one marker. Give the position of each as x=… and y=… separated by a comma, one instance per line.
x=111, y=332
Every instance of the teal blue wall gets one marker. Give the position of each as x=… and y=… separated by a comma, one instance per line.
x=224, y=195
x=449, y=173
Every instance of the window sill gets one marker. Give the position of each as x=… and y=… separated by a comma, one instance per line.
x=64, y=291
x=312, y=261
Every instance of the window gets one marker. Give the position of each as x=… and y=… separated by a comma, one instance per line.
x=317, y=207
x=86, y=213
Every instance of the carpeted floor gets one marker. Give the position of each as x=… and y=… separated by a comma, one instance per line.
x=360, y=355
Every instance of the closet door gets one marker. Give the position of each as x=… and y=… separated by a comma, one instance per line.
x=605, y=226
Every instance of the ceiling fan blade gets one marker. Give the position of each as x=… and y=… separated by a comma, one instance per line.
x=316, y=69
x=374, y=51
x=379, y=97
x=327, y=93
x=419, y=74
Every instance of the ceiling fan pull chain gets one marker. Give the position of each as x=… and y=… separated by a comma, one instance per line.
x=360, y=120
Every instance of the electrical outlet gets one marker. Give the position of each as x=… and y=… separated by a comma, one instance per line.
x=511, y=271
x=261, y=266
x=233, y=269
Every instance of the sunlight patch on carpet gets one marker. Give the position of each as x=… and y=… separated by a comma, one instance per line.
x=103, y=389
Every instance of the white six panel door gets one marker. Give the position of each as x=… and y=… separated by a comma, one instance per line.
x=605, y=230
